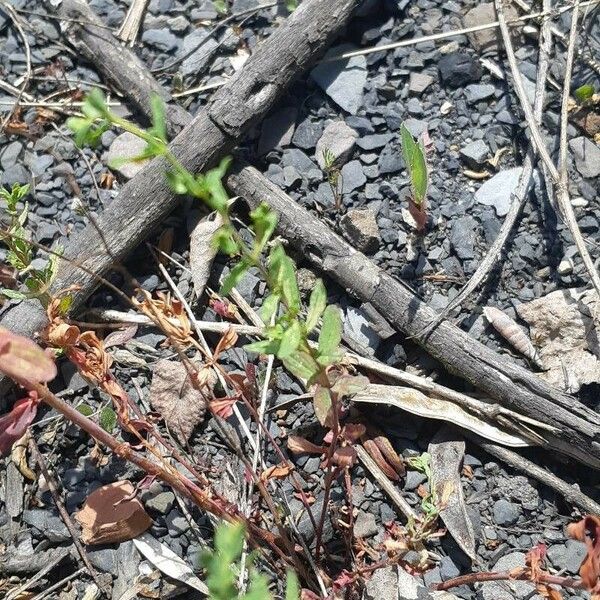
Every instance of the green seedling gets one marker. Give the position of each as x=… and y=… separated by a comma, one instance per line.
x=222, y=565
x=221, y=6
x=21, y=251
x=334, y=176
x=416, y=165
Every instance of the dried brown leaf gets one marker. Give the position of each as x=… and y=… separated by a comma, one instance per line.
x=390, y=455
x=174, y=396
x=203, y=251
x=280, y=471
x=344, y=457
x=299, y=445
x=112, y=514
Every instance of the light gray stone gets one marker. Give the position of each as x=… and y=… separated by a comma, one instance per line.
x=507, y=590
x=353, y=176
x=339, y=140
x=343, y=80
x=587, y=156
x=126, y=146
x=365, y=525
x=498, y=190
x=419, y=82
x=360, y=227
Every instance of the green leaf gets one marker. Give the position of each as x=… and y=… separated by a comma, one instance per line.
x=218, y=198
x=220, y=6
x=585, y=92
x=263, y=347
x=291, y=339
x=177, y=182
x=414, y=157
x=292, y=586
x=65, y=304
x=108, y=419
x=94, y=105
x=302, y=365
x=258, y=588
x=264, y=221
x=13, y=294
x=289, y=285
x=233, y=278
x=269, y=307
x=229, y=541
x=224, y=241
x=85, y=409
x=159, y=127
x=316, y=305
x=322, y=404
x=331, y=331
x=291, y=5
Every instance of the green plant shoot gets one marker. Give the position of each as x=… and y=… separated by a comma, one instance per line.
x=414, y=157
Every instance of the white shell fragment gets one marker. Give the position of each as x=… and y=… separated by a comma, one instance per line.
x=512, y=333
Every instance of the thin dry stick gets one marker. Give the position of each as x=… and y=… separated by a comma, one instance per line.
x=58, y=585
x=39, y=459
x=568, y=491
x=563, y=199
x=525, y=575
x=133, y=19
x=386, y=485
x=520, y=195
x=16, y=22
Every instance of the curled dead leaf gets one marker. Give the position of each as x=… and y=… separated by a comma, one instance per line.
x=280, y=471
x=112, y=514
x=375, y=453
x=203, y=251
x=344, y=457
x=298, y=445
x=588, y=531
x=23, y=360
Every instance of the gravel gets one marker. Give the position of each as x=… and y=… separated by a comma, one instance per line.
x=498, y=190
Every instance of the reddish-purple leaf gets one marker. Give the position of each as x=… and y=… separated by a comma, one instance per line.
x=419, y=213
x=23, y=360
x=14, y=424
x=120, y=337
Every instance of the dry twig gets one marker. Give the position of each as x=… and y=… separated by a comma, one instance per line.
x=128, y=31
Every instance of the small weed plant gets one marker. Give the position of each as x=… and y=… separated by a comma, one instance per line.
x=416, y=165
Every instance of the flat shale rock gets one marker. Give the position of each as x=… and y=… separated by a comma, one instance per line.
x=343, y=80
x=337, y=139
x=360, y=228
x=587, y=156
x=125, y=147
x=498, y=190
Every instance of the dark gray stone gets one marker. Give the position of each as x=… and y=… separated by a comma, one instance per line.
x=479, y=91
x=162, y=39
x=505, y=513
x=457, y=69
x=307, y=134
x=50, y=525
x=587, y=156
x=462, y=237
x=277, y=130
x=475, y=154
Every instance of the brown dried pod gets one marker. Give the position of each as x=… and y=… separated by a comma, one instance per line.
x=375, y=453
x=512, y=333
x=390, y=455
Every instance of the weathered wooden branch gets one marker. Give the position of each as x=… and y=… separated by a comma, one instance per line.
x=503, y=380
x=147, y=199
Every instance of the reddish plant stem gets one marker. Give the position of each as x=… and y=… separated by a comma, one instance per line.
x=524, y=575
x=219, y=507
